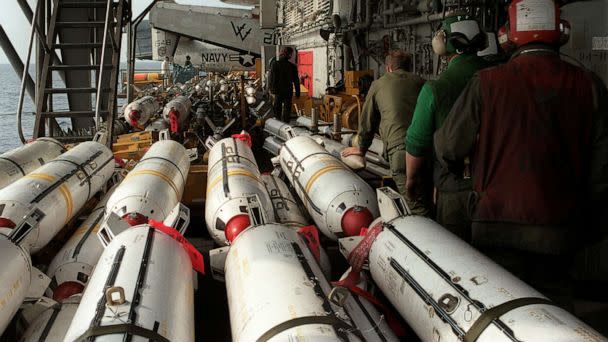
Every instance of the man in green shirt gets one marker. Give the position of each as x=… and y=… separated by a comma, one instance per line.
x=388, y=110
x=459, y=40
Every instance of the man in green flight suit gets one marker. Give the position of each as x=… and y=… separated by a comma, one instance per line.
x=458, y=40
x=388, y=110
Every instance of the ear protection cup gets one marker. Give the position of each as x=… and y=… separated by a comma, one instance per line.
x=564, y=32
x=480, y=42
x=503, y=39
x=439, y=43
x=459, y=41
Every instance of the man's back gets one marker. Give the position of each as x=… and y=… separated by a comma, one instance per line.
x=451, y=83
x=283, y=75
x=395, y=97
x=531, y=162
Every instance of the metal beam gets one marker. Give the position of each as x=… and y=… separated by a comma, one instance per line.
x=132, y=40
x=29, y=15
x=130, y=62
x=16, y=63
x=141, y=16
x=230, y=28
x=26, y=9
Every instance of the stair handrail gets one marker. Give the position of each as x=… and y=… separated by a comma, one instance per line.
x=26, y=67
x=101, y=67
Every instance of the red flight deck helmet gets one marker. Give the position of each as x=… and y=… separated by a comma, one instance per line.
x=534, y=21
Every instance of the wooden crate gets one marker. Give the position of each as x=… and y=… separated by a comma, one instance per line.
x=351, y=91
x=137, y=136
x=196, y=185
x=131, y=149
x=133, y=145
x=351, y=78
x=304, y=103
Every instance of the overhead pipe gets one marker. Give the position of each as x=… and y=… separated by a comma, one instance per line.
x=423, y=19
x=368, y=17
x=385, y=9
x=394, y=10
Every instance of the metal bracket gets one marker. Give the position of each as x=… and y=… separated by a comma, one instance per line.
x=178, y=218
x=257, y=216
x=101, y=137
x=210, y=142
x=338, y=295
x=164, y=135
x=192, y=154
x=276, y=162
x=289, y=132
x=347, y=244
x=319, y=140
x=112, y=226
x=29, y=223
x=217, y=261
x=118, y=176
x=33, y=308
x=39, y=282
x=391, y=204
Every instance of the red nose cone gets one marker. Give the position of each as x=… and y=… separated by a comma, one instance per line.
x=135, y=219
x=134, y=118
x=354, y=219
x=174, y=120
x=6, y=223
x=236, y=225
x=66, y=290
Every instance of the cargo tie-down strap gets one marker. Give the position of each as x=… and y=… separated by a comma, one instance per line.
x=356, y=259
x=311, y=235
x=359, y=255
x=491, y=314
x=198, y=263
x=306, y=320
x=130, y=329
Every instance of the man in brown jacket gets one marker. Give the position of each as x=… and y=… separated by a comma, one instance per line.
x=536, y=129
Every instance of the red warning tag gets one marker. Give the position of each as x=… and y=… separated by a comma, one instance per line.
x=198, y=263
x=121, y=163
x=356, y=259
x=359, y=254
x=311, y=234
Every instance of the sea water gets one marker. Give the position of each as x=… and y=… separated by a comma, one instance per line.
x=9, y=98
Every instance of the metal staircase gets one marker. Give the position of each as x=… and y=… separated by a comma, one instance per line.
x=87, y=35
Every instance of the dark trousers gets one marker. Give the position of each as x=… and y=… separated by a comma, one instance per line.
x=396, y=160
x=549, y=274
x=282, y=107
x=453, y=213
